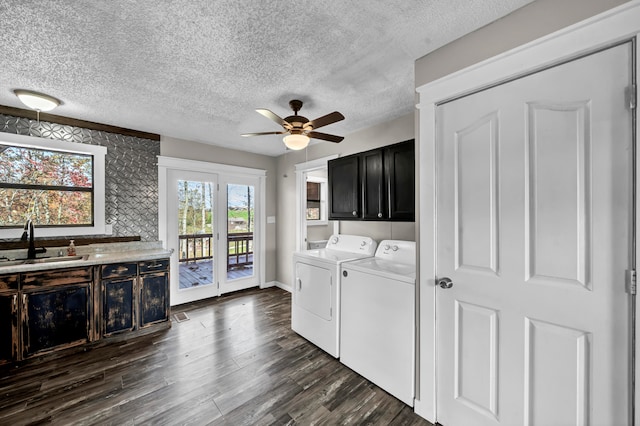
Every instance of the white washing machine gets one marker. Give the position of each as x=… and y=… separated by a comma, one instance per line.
x=315, y=304
x=377, y=332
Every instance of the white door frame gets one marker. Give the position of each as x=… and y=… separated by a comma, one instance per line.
x=615, y=25
x=301, y=198
x=170, y=163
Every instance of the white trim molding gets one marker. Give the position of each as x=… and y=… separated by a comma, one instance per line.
x=301, y=188
x=606, y=29
x=223, y=172
x=98, y=153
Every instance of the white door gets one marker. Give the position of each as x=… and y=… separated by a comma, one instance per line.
x=239, y=236
x=191, y=231
x=533, y=229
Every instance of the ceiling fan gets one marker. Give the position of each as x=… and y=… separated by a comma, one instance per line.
x=298, y=128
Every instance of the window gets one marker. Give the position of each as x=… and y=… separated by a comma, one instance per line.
x=313, y=201
x=59, y=185
x=316, y=210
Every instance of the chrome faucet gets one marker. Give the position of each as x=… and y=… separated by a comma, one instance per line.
x=28, y=233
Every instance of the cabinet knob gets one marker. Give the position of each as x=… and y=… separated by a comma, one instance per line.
x=379, y=214
x=354, y=213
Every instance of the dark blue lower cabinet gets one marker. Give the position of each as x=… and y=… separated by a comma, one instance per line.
x=118, y=313
x=56, y=318
x=8, y=327
x=154, y=300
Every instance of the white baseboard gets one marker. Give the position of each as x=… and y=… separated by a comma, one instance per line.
x=278, y=284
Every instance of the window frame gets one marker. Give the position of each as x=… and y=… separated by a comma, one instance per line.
x=98, y=154
x=324, y=214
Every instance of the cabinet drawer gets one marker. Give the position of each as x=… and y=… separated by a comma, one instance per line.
x=57, y=277
x=154, y=265
x=8, y=282
x=116, y=270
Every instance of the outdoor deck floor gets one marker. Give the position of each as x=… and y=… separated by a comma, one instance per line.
x=201, y=272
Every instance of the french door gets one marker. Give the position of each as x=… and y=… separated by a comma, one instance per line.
x=191, y=233
x=238, y=236
x=214, y=223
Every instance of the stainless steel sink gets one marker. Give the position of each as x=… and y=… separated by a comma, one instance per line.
x=41, y=260
x=55, y=259
x=11, y=262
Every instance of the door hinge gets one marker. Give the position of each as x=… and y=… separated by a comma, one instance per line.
x=631, y=281
x=218, y=236
x=632, y=96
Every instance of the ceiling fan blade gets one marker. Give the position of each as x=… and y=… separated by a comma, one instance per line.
x=272, y=116
x=325, y=120
x=324, y=136
x=263, y=133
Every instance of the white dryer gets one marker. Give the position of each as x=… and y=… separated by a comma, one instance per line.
x=315, y=305
x=377, y=334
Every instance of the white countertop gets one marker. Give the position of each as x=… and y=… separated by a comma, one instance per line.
x=93, y=254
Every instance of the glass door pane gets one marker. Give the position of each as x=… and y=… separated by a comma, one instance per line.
x=195, y=225
x=190, y=233
x=240, y=231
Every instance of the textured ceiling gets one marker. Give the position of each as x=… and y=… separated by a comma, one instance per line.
x=197, y=69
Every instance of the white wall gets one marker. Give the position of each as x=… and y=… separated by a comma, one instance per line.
x=394, y=131
x=178, y=148
x=528, y=23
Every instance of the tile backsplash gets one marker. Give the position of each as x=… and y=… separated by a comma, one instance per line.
x=131, y=173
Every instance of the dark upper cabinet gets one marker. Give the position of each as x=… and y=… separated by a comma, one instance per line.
x=374, y=185
x=373, y=188
x=399, y=169
x=344, y=188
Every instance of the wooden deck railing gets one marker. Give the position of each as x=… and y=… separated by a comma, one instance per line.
x=239, y=249
x=195, y=247
x=199, y=247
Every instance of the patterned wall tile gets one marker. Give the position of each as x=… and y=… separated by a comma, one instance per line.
x=131, y=172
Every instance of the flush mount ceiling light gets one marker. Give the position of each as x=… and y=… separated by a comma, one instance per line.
x=296, y=141
x=37, y=101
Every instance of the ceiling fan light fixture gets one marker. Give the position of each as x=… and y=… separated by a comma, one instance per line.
x=36, y=101
x=296, y=141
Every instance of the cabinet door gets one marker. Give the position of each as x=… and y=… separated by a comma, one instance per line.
x=154, y=301
x=55, y=318
x=8, y=327
x=344, y=188
x=373, y=188
x=118, y=306
x=400, y=176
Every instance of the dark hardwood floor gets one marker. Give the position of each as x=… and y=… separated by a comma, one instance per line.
x=234, y=362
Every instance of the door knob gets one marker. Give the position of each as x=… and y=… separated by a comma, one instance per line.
x=445, y=283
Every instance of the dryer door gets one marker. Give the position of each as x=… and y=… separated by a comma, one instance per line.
x=312, y=290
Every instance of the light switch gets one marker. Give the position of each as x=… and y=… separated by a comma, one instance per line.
x=271, y=219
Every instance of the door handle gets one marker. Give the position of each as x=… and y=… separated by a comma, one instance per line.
x=299, y=284
x=445, y=283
